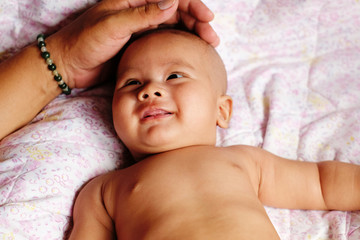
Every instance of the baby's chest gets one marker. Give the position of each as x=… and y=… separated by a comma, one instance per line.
x=165, y=196
x=183, y=183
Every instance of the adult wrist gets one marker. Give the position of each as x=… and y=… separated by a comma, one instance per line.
x=56, y=47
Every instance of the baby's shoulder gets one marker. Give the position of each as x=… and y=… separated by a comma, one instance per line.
x=248, y=157
x=95, y=189
x=95, y=185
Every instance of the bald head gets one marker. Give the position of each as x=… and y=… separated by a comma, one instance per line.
x=170, y=93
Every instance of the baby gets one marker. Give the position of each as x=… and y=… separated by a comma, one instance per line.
x=169, y=99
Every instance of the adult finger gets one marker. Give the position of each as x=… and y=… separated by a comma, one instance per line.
x=132, y=20
x=197, y=9
x=139, y=15
x=203, y=29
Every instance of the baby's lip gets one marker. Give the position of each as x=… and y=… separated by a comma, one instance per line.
x=155, y=113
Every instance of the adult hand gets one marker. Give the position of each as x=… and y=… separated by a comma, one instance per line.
x=84, y=46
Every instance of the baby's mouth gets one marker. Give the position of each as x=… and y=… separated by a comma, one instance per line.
x=155, y=114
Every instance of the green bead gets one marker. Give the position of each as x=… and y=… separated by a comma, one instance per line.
x=40, y=36
x=52, y=67
x=67, y=91
x=63, y=86
x=41, y=44
x=58, y=77
x=45, y=55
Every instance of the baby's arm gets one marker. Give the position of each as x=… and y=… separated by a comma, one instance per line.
x=293, y=184
x=91, y=220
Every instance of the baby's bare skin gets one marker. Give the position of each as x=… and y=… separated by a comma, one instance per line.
x=168, y=101
x=192, y=193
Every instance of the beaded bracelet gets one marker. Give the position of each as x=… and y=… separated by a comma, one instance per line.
x=51, y=66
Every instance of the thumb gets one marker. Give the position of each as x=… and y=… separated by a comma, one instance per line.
x=137, y=19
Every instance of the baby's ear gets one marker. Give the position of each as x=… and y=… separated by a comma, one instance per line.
x=224, y=111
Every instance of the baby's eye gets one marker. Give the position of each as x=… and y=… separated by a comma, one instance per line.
x=132, y=82
x=174, y=75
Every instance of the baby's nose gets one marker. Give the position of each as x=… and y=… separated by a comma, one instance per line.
x=147, y=95
x=150, y=91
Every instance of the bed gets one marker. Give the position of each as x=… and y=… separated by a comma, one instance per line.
x=294, y=74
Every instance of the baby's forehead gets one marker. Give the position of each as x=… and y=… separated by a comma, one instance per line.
x=164, y=45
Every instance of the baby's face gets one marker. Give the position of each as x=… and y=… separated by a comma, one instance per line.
x=164, y=97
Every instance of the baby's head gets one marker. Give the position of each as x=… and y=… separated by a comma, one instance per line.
x=170, y=93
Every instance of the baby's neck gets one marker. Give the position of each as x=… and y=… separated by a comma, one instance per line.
x=141, y=157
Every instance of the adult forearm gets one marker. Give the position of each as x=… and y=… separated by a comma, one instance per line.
x=340, y=184
x=26, y=87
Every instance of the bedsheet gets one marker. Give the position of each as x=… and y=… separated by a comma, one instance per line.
x=294, y=74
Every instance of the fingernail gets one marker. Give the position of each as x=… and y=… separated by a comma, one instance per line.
x=165, y=4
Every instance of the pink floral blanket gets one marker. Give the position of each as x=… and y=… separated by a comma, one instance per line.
x=294, y=75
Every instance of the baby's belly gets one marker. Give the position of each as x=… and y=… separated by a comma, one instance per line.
x=219, y=222
x=190, y=199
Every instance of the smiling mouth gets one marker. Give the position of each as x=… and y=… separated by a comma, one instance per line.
x=155, y=114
